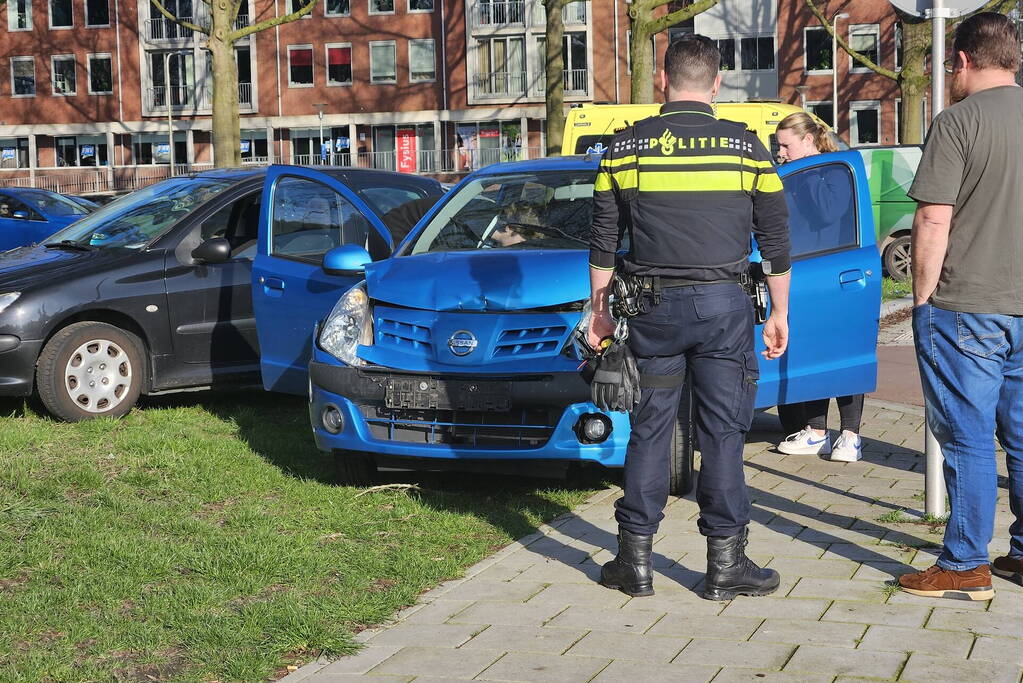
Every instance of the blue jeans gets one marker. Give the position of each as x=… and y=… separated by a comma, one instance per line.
x=971, y=368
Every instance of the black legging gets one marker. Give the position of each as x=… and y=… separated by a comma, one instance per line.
x=850, y=408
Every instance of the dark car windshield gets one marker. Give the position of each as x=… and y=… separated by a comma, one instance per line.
x=135, y=220
x=51, y=204
x=524, y=210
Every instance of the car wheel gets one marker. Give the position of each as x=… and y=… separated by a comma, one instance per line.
x=681, y=476
x=897, y=259
x=90, y=370
x=355, y=468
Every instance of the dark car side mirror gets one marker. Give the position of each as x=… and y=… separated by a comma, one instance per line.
x=346, y=260
x=216, y=250
x=20, y=215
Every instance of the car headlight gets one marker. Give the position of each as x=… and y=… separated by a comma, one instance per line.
x=8, y=299
x=576, y=346
x=348, y=325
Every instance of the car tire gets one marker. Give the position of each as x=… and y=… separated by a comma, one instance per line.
x=681, y=476
x=354, y=468
x=897, y=260
x=89, y=370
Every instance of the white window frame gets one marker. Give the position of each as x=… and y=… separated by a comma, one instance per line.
x=12, y=14
x=35, y=78
x=408, y=8
x=757, y=37
x=854, y=66
x=312, y=65
x=49, y=12
x=863, y=105
x=337, y=14
x=326, y=63
x=85, y=7
x=394, y=49
x=369, y=7
x=88, y=71
x=300, y=5
x=808, y=106
x=433, y=52
x=53, y=75
x=806, y=68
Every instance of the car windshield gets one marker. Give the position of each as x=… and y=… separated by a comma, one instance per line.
x=51, y=204
x=524, y=210
x=135, y=220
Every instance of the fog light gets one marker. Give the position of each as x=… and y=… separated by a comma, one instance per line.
x=332, y=419
x=593, y=428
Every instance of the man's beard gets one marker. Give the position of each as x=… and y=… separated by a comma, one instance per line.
x=957, y=92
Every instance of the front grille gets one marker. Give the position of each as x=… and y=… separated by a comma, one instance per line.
x=529, y=341
x=519, y=428
x=405, y=336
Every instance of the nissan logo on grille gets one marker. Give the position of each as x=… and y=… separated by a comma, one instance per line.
x=462, y=343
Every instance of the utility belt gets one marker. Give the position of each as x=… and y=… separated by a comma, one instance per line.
x=631, y=294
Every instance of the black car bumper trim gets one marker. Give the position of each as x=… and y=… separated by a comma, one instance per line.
x=17, y=367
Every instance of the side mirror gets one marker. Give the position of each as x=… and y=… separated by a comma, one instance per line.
x=216, y=250
x=349, y=260
x=20, y=215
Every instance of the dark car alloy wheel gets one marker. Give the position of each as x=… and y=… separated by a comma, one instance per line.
x=88, y=370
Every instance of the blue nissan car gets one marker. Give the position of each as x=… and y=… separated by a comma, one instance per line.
x=28, y=215
x=462, y=348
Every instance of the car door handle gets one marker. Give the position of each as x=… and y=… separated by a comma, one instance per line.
x=272, y=283
x=852, y=278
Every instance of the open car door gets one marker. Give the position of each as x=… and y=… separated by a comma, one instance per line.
x=835, y=300
x=304, y=214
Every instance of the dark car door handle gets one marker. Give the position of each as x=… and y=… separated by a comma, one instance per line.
x=851, y=278
x=272, y=283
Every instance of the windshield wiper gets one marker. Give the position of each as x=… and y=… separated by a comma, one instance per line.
x=71, y=245
x=548, y=230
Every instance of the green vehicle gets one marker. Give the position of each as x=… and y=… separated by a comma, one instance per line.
x=890, y=172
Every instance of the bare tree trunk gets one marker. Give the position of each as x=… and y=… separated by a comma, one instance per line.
x=913, y=80
x=641, y=54
x=554, y=58
x=226, y=129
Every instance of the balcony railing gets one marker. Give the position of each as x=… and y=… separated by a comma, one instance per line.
x=177, y=96
x=576, y=82
x=163, y=29
x=499, y=13
x=499, y=84
x=244, y=94
x=572, y=13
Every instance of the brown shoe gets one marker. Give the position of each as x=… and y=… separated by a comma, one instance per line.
x=1010, y=568
x=935, y=582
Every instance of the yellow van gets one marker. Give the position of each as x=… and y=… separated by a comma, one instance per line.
x=589, y=127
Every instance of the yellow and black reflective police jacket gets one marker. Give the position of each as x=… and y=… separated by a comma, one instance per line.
x=689, y=188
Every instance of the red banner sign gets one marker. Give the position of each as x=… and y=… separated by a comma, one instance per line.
x=406, y=143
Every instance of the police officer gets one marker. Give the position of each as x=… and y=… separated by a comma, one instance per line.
x=688, y=188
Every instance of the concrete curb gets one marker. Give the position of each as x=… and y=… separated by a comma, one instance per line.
x=889, y=307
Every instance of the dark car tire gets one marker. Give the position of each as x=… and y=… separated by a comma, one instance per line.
x=354, y=468
x=113, y=356
x=681, y=477
x=897, y=260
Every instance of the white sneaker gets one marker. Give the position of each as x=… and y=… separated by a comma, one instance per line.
x=847, y=448
x=806, y=442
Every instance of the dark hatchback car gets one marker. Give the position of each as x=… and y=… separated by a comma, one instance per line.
x=153, y=292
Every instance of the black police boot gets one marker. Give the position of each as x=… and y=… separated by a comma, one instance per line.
x=731, y=573
x=631, y=571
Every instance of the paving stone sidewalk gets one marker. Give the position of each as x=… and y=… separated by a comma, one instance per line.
x=533, y=612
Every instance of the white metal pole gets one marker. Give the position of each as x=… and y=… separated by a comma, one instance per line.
x=938, y=14
x=167, y=101
x=834, y=74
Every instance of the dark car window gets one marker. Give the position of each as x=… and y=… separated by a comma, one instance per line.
x=385, y=199
x=10, y=205
x=238, y=223
x=136, y=219
x=310, y=219
x=821, y=216
x=52, y=204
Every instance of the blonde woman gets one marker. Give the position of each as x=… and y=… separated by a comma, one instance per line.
x=799, y=136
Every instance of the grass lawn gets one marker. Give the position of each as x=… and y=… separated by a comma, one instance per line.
x=895, y=289
x=203, y=538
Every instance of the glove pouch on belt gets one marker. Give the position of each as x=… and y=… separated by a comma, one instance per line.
x=615, y=382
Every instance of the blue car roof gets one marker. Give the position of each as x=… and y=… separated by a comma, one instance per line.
x=572, y=162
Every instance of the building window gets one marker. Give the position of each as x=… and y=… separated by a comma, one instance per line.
x=863, y=38
x=101, y=81
x=823, y=111
x=83, y=150
x=382, y=67
x=898, y=46
x=726, y=46
x=64, y=75
x=296, y=5
x=60, y=14
x=97, y=13
x=339, y=64
x=817, y=50
x=300, y=66
x=338, y=8
x=420, y=5
x=422, y=61
x=381, y=6
x=23, y=76
x=757, y=53
x=864, y=122
x=13, y=152
x=19, y=15
x=154, y=148
x=500, y=66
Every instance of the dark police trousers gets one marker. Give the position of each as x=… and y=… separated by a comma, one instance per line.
x=709, y=329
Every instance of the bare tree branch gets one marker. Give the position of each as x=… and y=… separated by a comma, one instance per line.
x=859, y=57
x=276, y=21
x=187, y=24
x=680, y=15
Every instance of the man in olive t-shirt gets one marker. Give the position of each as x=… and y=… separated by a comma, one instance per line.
x=968, y=303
